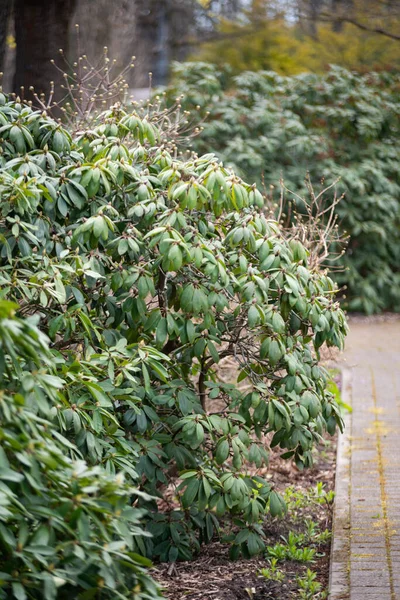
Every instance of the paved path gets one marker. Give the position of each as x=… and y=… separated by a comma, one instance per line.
x=366, y=544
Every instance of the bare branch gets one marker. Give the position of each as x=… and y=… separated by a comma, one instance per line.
x=345, y=19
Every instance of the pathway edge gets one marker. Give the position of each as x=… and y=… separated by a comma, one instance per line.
x=339, y=572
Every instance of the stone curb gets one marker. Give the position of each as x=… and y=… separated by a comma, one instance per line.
x=339, y=574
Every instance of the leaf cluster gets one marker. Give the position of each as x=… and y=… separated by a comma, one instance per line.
x=67, y=528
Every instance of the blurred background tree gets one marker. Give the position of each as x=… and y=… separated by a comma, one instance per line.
x=289, y=36
x=4, y=17
x=41, y=28
x=33, y=31
x=306, y=35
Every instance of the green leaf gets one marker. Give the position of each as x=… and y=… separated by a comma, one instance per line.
x=274, y=353
x=19, y=591
x=213, y=351
x=161, y=332
x=10, y=475
x=253, y=316
x=275, y=506
x=98, y=394
x=278, y=323
x=190, y=492
x=222, y=451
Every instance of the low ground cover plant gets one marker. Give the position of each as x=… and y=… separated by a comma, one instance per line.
x=295, y=563
x=338, y=125
x=143, y=271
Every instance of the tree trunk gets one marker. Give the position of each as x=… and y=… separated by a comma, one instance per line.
x=162, y=33
x=182, y=27
x=96, y=22
x=41, y=29
x=5, y=9
x=340, y=8
x=308, y=14
x=147, y=38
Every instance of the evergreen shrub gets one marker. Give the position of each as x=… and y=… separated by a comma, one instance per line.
x=144, y=271
x=338, y=125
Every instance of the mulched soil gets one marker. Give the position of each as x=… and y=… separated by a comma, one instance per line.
x=212, y=576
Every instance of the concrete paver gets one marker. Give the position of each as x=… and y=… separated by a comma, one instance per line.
x=365, y=561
